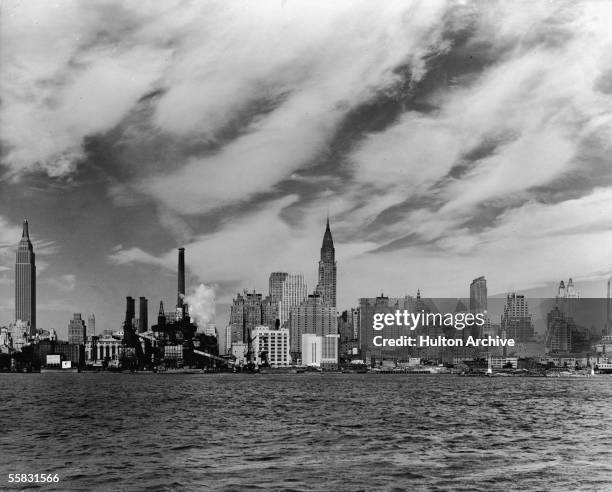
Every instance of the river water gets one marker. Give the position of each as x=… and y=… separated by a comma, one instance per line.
x=306, y=432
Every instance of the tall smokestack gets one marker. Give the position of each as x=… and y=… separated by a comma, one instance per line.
x=181, y=278
x=143, y=315
x=130, y=311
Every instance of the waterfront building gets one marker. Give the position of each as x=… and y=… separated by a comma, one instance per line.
x=271, y=346
x=73, y=352
x=320, y=351
x=604, y=346
x=77, y=331
x=382, y=304
x=329, y=350
x=326, y=286
x=311, y=349
x=516, y=320
x=312, y=316
x=25, y=282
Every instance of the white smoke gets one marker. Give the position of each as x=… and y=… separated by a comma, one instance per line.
x=202, y=305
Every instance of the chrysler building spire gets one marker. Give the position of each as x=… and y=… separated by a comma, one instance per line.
x=326, y=287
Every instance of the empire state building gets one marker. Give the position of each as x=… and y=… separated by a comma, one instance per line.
x=326, y=287
x=25, y=281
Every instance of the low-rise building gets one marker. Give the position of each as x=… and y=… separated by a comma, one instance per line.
x=271, y=346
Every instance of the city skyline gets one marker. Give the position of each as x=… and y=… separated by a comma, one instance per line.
x=125, y=136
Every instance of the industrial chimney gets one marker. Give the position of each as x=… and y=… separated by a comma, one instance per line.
x=181, y=278
x=143, y=315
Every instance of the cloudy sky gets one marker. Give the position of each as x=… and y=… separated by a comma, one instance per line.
x=446, y=140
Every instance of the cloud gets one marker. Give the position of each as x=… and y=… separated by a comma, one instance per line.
x=65, y=282
x=74, y=78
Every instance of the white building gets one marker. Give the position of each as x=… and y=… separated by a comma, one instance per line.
x=98, y=349
x=312, y=349
x=271, y=345
x=320, y=350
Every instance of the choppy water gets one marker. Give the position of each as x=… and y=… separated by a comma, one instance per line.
x=307, y=432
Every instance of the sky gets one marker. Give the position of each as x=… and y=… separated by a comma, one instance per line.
x=445, y=140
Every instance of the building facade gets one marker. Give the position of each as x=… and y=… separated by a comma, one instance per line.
x=558, y=332
x=311, y=349
x=478, y=295
x=516, y=320
x=271, y=346
x=25, y=281
x=77, y=331
x=293, y=293
x=311, y=316
x=320, y=351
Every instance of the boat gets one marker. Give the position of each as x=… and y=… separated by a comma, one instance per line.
x=490, y=368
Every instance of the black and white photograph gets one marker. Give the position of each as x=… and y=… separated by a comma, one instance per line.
x=306, y=245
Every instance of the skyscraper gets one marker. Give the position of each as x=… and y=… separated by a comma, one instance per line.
x=478, y=304
x=478, y=295
x=76, y=330
x=25, y=281
x=516, y=320
x=293, y=292
x=311, y=316
x=326, y=287
x=276, y=285
x=558, y=332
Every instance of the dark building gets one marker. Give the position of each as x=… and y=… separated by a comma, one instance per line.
x=69, y=351
x=25, y=281
x=143, y=315
x=558, y=332
x=77, y=331
x=326, y=287
x=345, y=327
